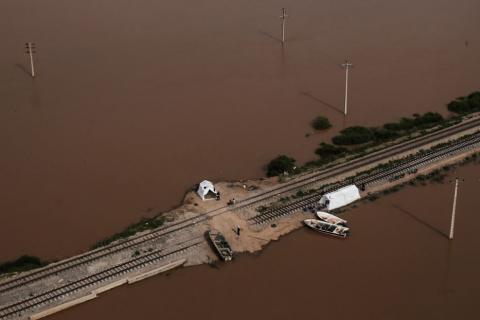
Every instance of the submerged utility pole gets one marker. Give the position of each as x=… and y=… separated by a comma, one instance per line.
x=283, y=17
x=30, y=46
x=347, y=65
x=454, y=208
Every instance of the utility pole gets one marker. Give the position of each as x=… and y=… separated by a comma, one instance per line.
x=347, y=65
x=283, y=17
x=454, y=208
x=30, y=46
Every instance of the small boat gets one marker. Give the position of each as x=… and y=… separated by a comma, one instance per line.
x=330, y=218
x=221, y=245
x=328, y=228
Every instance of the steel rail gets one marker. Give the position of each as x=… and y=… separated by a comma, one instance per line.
x=52, y=295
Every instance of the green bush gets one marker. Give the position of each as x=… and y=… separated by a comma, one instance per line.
x=262, y=209
x=330, y=151
x=23, y=263
x=353, y=135
x=389, y=131
x=382, y=134
x=465, y=105
x=321, y=123
x=404, y=124
x=280, y=165
x=424, y=121
x=300, y=193
x=142, y=225
x=361, y=139
x=428, y=119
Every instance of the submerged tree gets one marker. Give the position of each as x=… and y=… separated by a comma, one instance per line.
x=321, y=123
x=465, y=105
x=280, y=165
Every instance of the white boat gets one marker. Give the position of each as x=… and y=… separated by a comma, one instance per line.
x=328, y=228
x=330, y=218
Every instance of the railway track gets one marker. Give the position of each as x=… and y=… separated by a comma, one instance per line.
x=359, y=162
x=399, y=169
x=80, y=260
x=90, y=256
x=20, y=307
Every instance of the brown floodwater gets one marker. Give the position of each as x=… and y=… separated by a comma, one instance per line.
x=135, y=101
x=397, y=264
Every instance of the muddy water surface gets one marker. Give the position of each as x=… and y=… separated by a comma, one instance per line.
x=397, y=264
x=135, y=101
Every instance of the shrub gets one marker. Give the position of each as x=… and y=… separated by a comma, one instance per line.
x=23, y=263
x=262, y=209
x=465, y=105
x=330, y=151
x=321, y=123
x=142, y=225
x=353, y=135
x=406, y=124
x=300, y=193
x=392, y=126
x=389, y=131
x=428, y=119
x=280, y=165
x=382, y=134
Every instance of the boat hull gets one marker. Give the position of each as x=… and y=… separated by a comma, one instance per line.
x=220, y=245
x=327, y=228
x=330, y=218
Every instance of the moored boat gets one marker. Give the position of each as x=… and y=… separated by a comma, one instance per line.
x=327, y=228
x=330, y=218
x=221, y=245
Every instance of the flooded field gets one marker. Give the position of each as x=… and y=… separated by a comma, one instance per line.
x=397, y=264
x=135, y=101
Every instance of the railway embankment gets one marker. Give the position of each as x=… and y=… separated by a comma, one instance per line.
x=264, y=209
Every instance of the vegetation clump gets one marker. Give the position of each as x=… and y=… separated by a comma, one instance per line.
x=142, y=225
x=136, y=253
x=280, y=165
x=353, y=135
x=382, y=134
x=389, y=131
x=465, y=105
x=22, y=263
x=357, y=140
x=418, y=122
x=321, y=123
x=300, y=193
x=330, y=152
x=262, y=209
x=392, y=189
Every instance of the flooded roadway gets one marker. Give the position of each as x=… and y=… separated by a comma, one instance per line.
x=136, y=101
